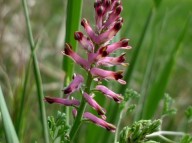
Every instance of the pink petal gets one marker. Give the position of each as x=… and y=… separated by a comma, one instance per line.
x=85, y=42
x=74, y=56
x=109, y=93
x=105, y=74
x=100, y=122
x=62, y=101
x=74, y=85
x=112, y=61
x=93, y=104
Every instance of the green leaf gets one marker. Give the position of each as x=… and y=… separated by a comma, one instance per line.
x=188, y=113
x=167, y=106
x=138, y=131
x=186, y=139
x=74, y=9
x=7, y=122
x=157, y=3
x=157, y=91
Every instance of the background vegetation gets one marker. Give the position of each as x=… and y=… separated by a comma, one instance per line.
x=160, y=33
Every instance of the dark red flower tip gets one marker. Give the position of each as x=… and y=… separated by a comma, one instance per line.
x=67, y=49
x=103, y=51
x=49, y=100
x=118, y=25
x=78, y=36
x=118, y=9
x=107, y=3
x=125, y=42
x=121, y=59
x=118, y=75
x=97, y=4
x=83, y=22
x=100, y=11
x=117, y=3
x=67, y=90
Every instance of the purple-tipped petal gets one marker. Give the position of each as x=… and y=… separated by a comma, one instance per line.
x=74, y=85
x=113, y=16
x=112, y=61
x=93, y=104
x=100, y=122
x=104, y=74
x=109, y=93
x=99, y=16
x=65, y=102
x=85, y=42
x=109, y=34
x=74, y=56
x=123, y=44
x=89, y=30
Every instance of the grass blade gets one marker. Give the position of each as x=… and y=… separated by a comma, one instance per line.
x=36, y=74
x=10, y=133
x=74, y=9
x=157, y=91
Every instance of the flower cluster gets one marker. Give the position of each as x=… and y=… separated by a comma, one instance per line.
x=98, y=48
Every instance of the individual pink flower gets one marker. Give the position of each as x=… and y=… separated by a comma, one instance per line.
x=122, y=44
x=100, y=122
x=74, y=85
x=93, y=104
x=65, y=102
x=112, y=61
x=84, y=41
x=74, y=56
x=109, y=93
x=105, y=74
x=113, y=16
x=103, y=37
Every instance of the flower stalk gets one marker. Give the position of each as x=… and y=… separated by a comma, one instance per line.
x=81, y=110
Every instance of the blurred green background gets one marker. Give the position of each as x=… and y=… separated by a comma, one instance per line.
x=48, y=25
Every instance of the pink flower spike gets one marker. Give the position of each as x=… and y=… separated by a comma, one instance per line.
x=123, y=44
x=100, y=122
x=113, y=16
x=65, y=102
x=112, y=61
x=104, y=74
x=85, y=42
x=74, y=85
x=109, y=93
x=74, y=56
x=93, y=104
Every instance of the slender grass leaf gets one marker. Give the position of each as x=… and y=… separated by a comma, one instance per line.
x=37, y=74
x=10, y=133
x=74, y=9
x=157, y=91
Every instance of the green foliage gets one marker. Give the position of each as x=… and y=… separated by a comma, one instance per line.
x=129, y=95
x=167, y=106
x=186, y=139
x=188, y=113
x=58, y=127
x=10, y=133
x=157, y=2
x=137, y=132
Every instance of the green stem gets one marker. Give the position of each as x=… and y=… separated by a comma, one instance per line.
x=23, y=98
x=81, y=109
x=36, y=74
